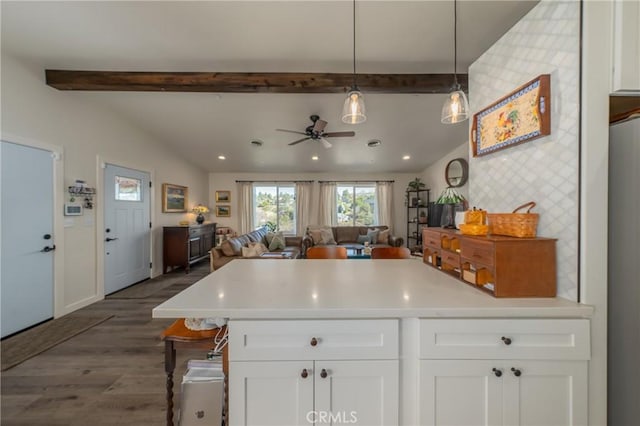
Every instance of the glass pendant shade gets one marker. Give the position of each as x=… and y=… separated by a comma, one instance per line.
x=353, y=111
x=455, y=108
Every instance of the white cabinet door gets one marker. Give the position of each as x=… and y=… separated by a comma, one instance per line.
x=270, y=393
x=460, y=393
x=626, y=46
x=357, y=392
x=545, y=393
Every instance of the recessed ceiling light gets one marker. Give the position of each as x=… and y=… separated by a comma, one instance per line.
x=256, y=143
x=315, y=158
x=406, y=157
x=221, y=157
x=374, y=142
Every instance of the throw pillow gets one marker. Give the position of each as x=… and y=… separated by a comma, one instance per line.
x=363, y=239
x=259, y=248
x=277, y=242
x=326, y=237
x=250, y=252
x=373, y=235
x=316, y=236
x=383, y=237
x=269, y=237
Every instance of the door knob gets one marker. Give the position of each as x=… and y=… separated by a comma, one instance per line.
x=516, y=372
x=110, y=239
x=47, y=249
x=323, y=373
x=497, y=372
x=47, y=236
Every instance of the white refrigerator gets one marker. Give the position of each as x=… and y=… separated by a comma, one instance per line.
x=624, y=274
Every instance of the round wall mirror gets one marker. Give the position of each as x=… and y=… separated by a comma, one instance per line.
x=457, y=172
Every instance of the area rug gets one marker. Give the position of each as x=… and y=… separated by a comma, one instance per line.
x=19, y=348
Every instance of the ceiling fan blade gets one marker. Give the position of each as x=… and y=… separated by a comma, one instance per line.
x=291, y=131
x=299, y=140
x=319, y=126
x=338, y=134
x=325, y=143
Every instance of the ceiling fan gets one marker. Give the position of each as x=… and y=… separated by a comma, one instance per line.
x=316, y=132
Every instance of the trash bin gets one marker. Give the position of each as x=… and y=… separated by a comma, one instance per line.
x=202, y=394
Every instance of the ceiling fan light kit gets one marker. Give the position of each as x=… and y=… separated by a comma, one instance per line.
x=456, y=106
x=353, y=111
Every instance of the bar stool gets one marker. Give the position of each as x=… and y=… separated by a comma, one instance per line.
x=327, y=252
x=177, y=335
x=390, y=253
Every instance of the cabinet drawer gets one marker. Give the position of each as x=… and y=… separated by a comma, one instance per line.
x=450, y=258
x=562, y=339
x=313, y=339
x=477, y=251
x=431, y=239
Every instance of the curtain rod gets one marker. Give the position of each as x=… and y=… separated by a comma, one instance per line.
x=356, y=181
x=275, y=181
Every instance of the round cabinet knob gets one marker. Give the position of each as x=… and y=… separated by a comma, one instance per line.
x=497, y=372
x=506, y=340
x=314, y=341
x=516, y=372
x=304, y=373
x=323, y=373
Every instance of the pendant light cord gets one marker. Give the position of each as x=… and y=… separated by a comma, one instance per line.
x=354, y=44
x=455, y=44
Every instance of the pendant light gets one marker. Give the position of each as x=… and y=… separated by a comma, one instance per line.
x=353, y=111
x=456, y=106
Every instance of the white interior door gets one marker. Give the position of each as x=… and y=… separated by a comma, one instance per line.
x=127, y=232
x=26, y=266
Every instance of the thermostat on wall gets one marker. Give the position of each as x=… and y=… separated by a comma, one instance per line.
x=72, y=210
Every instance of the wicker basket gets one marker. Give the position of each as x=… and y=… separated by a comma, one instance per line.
x=521, y=225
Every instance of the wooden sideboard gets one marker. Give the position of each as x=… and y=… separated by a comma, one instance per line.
x=501, y=266
x=184, y=245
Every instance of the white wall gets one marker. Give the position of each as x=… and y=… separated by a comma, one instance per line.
x=227, y=181
x=34, y=113
x=545, y=170
x=433, y=176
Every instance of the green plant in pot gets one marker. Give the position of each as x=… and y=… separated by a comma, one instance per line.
x=415, y=185
x=423, y=217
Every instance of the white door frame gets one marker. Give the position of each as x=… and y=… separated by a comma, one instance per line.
x=102, y=161
x=58, y=190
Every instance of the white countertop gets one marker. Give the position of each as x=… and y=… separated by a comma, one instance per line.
x=358, y=288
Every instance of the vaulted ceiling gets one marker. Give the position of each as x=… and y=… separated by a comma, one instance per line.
x=413, y=37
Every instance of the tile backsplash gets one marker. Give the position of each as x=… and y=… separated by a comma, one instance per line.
x=545, y=170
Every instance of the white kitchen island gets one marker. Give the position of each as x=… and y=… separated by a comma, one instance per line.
x=389, y=342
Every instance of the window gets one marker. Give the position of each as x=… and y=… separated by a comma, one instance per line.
x=128, y=189
x=357, y=205
x=274, y=206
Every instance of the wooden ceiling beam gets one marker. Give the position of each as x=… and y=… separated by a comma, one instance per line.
x=231, y=82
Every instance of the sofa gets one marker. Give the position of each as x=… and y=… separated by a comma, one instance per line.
x=233, y=248
x=349, y=236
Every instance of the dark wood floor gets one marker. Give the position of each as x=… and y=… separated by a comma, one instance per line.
x=112, y=374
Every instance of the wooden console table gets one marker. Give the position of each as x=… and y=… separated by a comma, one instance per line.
x=185, y=245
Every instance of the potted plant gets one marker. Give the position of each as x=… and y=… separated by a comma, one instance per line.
x=415, y=185
x=423, y=217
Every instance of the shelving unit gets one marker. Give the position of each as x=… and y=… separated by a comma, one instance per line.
x=417, y=202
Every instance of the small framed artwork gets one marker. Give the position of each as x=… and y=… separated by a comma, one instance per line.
x=223, y=196
x=521, y=116
x=174, y=198
x=223, y=211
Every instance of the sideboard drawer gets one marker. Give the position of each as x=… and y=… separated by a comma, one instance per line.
x=561, y=339
x=477, y=251
x=313, y=340
x=431, y=239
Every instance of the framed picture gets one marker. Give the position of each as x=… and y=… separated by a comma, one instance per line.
x=223, y=211
x=521, y=116
x=175, y=198
x=223, y=196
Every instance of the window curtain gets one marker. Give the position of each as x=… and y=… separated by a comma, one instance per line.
x=328, y=206
x=245, y=207
x=303, y=206
x=384, y=196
